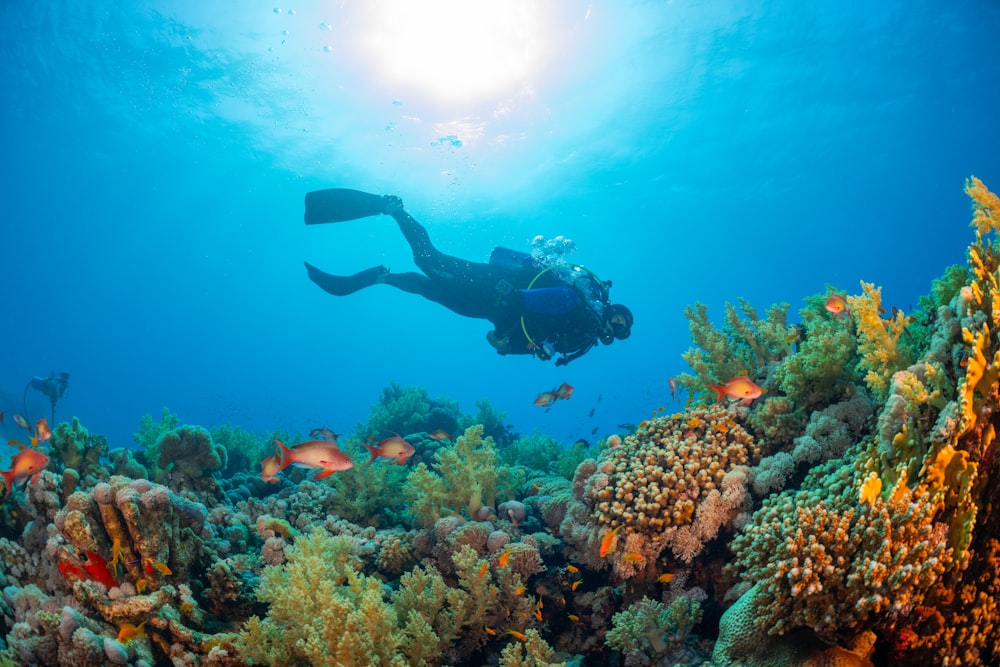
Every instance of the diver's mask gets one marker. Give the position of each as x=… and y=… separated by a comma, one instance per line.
x=618, y=321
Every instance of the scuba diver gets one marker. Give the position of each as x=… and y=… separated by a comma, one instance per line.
x=539, y=308
x=53, y=386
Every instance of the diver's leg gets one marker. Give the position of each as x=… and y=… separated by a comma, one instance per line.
x=344, y=285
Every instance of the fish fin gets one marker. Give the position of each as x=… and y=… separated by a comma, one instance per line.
x=323, y=474
x=374, y=452
x=284, y=454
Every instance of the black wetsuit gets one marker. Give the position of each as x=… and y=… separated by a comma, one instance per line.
x=559, y=314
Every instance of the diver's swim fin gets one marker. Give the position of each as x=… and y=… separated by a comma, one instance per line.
x=344, y=285
x=340, y=204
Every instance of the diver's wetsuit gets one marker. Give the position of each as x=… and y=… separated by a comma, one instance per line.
x=561, y=319
x=472, y=289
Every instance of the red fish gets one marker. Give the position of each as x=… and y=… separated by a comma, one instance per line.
x=545, y=399
x=42, y=431
x=97, y=569
x=439, y=435
x=393, y=449
x=837, y=305
x=740, y=387
x=564, y=391
x=322, y=454
x=26, y=463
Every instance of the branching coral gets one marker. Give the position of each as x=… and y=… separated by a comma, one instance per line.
x=878, y=339
x=649, y=630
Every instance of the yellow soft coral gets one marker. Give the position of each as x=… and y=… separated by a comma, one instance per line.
x=985, y=206
x=878, y=339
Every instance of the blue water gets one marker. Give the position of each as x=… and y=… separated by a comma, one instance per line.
x=155, y=157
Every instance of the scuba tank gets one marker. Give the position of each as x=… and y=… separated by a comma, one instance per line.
x=521, y=266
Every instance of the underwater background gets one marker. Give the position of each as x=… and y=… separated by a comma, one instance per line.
x=156, y=155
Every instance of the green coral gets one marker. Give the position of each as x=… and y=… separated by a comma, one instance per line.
x=244, y=449
x=534, y=652
x=149, y=431
x=745, y=345
x=463, y=477
x=649, y=629
x=369, y=494
x=74, y=448
x=325, y=611
x=186, y=459
x=406, y=410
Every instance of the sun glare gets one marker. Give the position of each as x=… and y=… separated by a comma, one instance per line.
x=454, y=50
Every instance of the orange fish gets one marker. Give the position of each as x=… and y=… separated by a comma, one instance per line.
x=572, y=568
x=837, y=305
x=564, y=391
x=517, y=635
x=490, y=631
x=673, y=388
x=186, y=607
x=538, y=610
x=546, y=399
x=392, y=449
x=26, y=463
x=439, y=435
x=140, y=586
x=42, y=431
x=520, y=590
x=322, y=454
x=150, y=566
x=740, y=387
x=482, y=569
x=269, y=469
x=633, y=557
x=607, y=541
x=576, y=584
x=573, y=617
x=502, y=560
x=116, y=557
x=127, y=632
x=22, y=422
x=665, y=578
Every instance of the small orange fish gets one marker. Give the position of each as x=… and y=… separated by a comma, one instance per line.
x=665, y=578
x=127, y=632
x=42, y=430
x=490, y=631
x=140, y=586
x=607, y=540
x=502, y=560
x=576, y=584
x=572, y=568
x=483, y=568
x=186, y=607
x=150, y=566
x=393, y=449
x=439, y=435
x=520, y=590
x=116, y=557
x=26, y=463
x=538, y=610
x=269, y=468
x=837, y=305
x=573, y=617
x=740, y=387
x=22, y=422
x=517, y=635
x=633, y=557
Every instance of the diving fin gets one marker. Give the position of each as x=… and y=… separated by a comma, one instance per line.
x=340, y=204
x=344, y=285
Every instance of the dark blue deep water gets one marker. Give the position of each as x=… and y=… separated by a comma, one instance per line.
x=155, y=156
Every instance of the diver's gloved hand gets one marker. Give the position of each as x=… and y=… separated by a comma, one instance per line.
x=392, y=203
